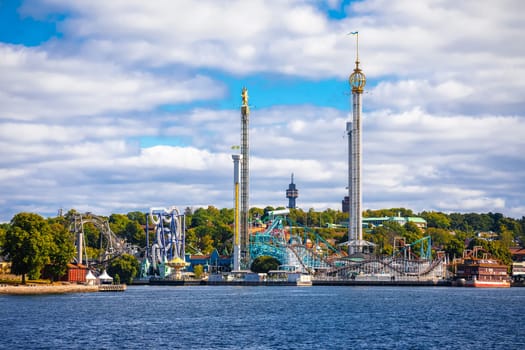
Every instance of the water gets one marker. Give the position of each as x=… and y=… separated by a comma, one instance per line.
x=223, y=317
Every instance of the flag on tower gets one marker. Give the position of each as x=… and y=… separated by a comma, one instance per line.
x=353, y=33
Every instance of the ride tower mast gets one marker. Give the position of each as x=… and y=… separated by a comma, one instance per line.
x=357, y=82
x=236, y=226
x=245, y=178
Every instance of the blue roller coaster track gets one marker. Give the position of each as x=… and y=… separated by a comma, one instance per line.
x=281, y=242
x=306, y=251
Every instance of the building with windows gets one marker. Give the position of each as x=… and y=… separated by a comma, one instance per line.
x=212, y=263
x=401, y=220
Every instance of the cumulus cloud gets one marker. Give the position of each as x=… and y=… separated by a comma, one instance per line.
x=114, y=113
x=34, y=84
x=414, y=159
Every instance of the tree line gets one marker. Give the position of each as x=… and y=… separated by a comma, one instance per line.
x=39, y=247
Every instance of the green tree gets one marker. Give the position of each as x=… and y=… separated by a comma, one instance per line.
x=506, y=236
x=501, y=252
x=117, y=223
x=383, y=237
x=440, y=237
x=61, y=251
x=198, y=270
x=138, y=217
x=200, y=239
x=256, y=212
x=222, y=235
x=2, y=236
x=263, y=264
x=200, y=217
x=436, y=219
x=454, y=248
x=27, y=245
x=134, y=233
x=457, y=221
x=125, y=266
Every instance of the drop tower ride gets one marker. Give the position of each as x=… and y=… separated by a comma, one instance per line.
x=357, y=82
x=245, y=177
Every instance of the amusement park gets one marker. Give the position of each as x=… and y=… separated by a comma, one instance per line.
x=301, y=253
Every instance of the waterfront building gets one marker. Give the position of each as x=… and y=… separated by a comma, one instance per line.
x=211, y=263
x=76, y=273
x=518, y=263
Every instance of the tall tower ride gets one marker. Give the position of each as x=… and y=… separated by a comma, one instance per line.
x=357, y=82
x=292, y=193
x=236, y=225
x=245, y=178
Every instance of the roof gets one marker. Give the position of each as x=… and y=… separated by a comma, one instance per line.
x=357, y=243
x=517, y=250
x=105, y=277
x=200, y=257
x=395, y=218
x=90, y=276
x=76, y=266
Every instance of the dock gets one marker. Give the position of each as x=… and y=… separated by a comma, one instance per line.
x=112, y=288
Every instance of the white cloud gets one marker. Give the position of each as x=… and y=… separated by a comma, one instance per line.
x=34, y=84
x=434, y=166
x=443, y=112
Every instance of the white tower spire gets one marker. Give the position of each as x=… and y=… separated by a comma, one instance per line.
x=357, y=82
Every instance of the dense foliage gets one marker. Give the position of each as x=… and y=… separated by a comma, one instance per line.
x=124, y=268
x=32, y=244
x=263, y=264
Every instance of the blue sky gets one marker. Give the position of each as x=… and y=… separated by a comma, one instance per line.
x=118, y=106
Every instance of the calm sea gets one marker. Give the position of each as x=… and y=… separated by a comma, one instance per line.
x=222, y=317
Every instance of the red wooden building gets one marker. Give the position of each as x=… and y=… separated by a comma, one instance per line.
x=75, y=273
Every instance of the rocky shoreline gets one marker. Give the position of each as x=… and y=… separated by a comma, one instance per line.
x=37, y=289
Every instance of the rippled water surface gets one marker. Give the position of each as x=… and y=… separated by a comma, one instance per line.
x=206, y=317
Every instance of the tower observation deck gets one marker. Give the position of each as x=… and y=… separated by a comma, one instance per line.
x=292, y=193
x=357, y=82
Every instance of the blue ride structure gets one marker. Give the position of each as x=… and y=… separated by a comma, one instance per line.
x=303, y=250
x=167, y=252
x=307, y=253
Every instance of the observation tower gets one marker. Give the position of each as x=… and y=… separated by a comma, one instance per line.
x=357, y=82
x=292, y=193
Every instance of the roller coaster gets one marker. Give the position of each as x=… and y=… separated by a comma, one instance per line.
x=110, y=245
x=164, y=257
x=167, y=253
x=310, y=253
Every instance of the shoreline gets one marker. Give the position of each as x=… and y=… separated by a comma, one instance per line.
x=36, y=289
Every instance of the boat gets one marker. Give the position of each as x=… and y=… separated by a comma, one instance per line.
x=480, y=272
x=289, y=277
x=304, y=280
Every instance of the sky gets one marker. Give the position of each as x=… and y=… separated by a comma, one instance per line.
x=122, y=105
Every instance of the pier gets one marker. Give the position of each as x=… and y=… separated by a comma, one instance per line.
x=112, y=288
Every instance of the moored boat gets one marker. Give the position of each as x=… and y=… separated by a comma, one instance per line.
x=482, y=272
x=304, y=280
